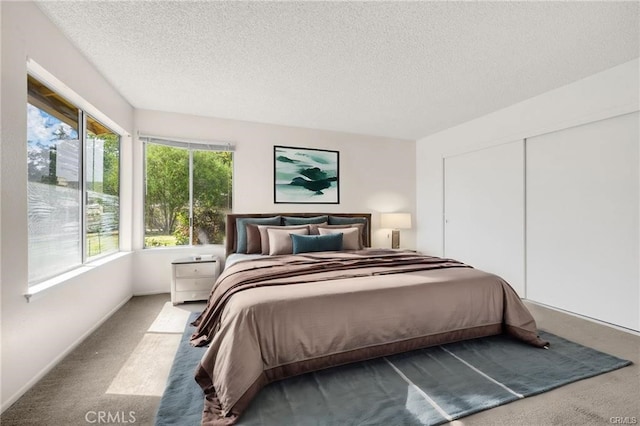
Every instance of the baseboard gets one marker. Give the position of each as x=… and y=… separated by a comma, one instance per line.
x=59, y=358
x=584, y=317
x=151, y=293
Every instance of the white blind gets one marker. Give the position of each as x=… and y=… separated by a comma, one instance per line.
x=189, y=143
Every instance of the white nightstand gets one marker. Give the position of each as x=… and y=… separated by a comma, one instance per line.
x=193, y=278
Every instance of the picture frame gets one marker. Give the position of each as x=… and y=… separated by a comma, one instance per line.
x=305, y=175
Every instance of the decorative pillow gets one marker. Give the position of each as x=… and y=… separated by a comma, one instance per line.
x=343, y=220
x=264, y=235
x=350, y=238
x=309, y=243
x=241, y=230
x=359, y=226
x=313, y=228
x=253, y=239
x=288, y=220
x=280, y=241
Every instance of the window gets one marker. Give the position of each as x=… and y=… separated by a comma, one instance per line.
x=188, y=190
x=73, y=185
x=102, y=150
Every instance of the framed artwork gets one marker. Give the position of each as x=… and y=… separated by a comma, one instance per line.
x=305, y=176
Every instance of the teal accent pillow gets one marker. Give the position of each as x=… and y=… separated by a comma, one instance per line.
x=310, y=243
x=241, y=229
x=339, y=220
x=289, y=220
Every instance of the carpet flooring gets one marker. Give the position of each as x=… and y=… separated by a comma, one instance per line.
x=425, y=387
x=76, y=388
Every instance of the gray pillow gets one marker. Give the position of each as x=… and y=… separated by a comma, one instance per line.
x=241, y=230
x=289, y=220
x=342, y=220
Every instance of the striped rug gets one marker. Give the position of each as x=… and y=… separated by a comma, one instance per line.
x=424, y=387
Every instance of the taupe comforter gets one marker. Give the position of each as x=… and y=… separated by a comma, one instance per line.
x=272, y=318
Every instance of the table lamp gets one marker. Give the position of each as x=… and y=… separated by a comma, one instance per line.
x=395, y=221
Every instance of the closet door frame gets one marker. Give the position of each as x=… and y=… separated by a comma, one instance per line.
x=484, y=210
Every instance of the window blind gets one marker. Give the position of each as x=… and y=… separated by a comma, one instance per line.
x=189, y=143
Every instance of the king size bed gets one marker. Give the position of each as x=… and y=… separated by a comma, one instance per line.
x=303, y=304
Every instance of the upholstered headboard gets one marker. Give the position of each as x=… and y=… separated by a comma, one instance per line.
x=231, y=231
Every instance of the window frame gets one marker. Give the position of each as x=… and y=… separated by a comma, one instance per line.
x=191, y=146
x=85, y=197
x=85, y=110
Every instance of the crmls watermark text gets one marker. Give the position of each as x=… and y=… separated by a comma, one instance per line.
x=110, y=417
x=623, y=420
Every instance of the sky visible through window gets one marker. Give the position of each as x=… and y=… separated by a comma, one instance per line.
x=42, y=128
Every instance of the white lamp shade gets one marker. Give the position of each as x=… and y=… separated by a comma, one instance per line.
x=395, y=220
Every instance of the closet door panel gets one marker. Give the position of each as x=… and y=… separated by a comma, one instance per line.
x=582, y=220
x=484, y=210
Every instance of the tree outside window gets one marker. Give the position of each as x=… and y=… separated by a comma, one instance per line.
x=187, y=194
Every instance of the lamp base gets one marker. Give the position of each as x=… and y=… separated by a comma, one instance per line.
x=395, y=239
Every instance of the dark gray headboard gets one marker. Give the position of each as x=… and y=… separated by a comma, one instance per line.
x=230, y=245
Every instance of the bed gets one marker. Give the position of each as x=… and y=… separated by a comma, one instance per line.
x=275, y=316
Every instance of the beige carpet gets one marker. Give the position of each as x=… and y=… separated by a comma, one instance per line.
x=146, y=370
x=102, y=374
x=172, y=319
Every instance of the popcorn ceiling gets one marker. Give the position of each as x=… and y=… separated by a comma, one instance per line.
x=397, y=69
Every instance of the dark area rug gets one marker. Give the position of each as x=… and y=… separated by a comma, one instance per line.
x=424, y=387
x=183, y=400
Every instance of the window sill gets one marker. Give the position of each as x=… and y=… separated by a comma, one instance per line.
x=36, y=290
x=182, y=248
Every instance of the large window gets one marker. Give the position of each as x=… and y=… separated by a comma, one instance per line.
x=73, y=185
x=187, y=193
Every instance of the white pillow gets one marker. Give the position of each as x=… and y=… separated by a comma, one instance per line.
x=280, y=241
x=264, y=236
x=360, y=227
x=350, y=237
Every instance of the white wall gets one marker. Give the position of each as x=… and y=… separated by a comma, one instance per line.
x=36, y=335
x=484, y=210
x=376, y=175
x=607, y=94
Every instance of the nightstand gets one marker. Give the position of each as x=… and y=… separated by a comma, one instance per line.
x=193, y=278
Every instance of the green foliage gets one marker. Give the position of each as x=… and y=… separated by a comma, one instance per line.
x=212, y=179
x=111, y=184
x=159, y=241
x=167, y=193
x=208, y=226
x=167, y=185
x=181, y=233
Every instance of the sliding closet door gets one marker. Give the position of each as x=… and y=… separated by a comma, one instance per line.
x=582, y=220
x=484, y=210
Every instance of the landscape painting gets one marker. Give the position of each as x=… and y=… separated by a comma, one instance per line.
x=303, y=175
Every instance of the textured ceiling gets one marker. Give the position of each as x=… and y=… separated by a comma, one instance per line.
x=397, y=69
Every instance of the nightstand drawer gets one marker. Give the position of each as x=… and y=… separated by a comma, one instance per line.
x=184, y=296
x=200, y=269
x=195, y=284
x=193, y=279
